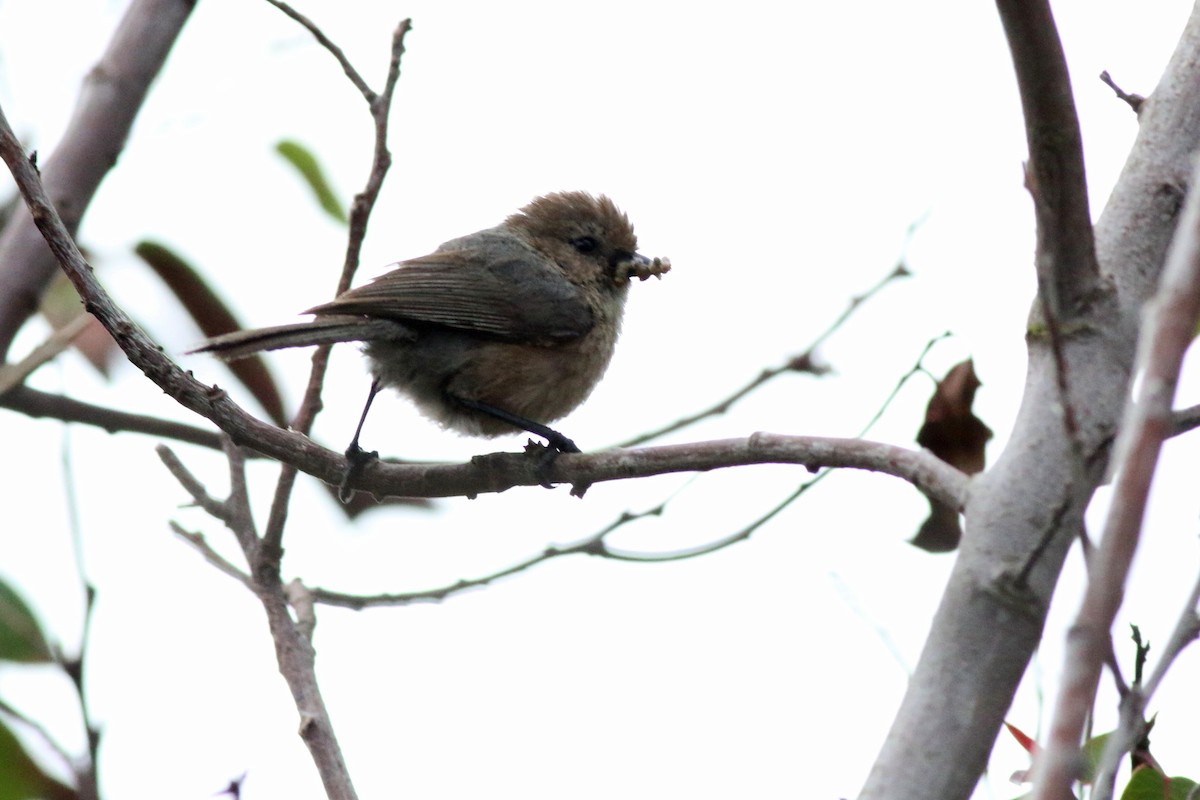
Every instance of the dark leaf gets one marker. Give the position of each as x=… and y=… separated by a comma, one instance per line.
x=951, y=431
x=941, y=530
x=213, y=316
x=954, y=434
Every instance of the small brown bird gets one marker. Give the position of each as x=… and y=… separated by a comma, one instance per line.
x=507, y=328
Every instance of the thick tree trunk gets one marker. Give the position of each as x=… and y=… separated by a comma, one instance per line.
x=991, y=617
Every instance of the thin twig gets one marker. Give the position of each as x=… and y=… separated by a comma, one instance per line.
x=328, y=44
x=86, y=777
x=1134, y=101
x=240, y=517
x=360, y=214
x=218, y=509
x=803, y=362
x=1187, y=628
x=590, y=545
x=38, y=404
x=1182, y=421
x=202, y=546
x=710, y=547
x=749, y=530
x=15, y=374
x=595, y=544
x=85, y=774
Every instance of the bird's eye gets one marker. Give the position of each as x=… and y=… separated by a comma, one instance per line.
x=585, y=245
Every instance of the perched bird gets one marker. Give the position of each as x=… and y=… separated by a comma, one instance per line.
x=507, y=328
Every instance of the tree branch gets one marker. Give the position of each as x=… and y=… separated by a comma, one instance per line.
x=360, y=213
x=1068, y=272
x=37, y=404
x=483, y=474
x=497, y=472
x=1170, y=328
x=111, y=97
x=987, y=626
x=293, y=645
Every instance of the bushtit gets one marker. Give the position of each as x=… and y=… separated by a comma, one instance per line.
x=508, y=328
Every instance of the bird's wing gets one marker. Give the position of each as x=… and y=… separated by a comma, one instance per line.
x=487, y=284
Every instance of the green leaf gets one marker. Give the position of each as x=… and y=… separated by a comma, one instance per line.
x=1149, y=784
x=1093, y=751
x=21, y=637
x=309, y=168
x=20, y=776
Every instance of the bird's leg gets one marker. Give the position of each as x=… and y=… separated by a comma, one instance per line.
x=357, y=458
x=555, y=441
x=553, y=438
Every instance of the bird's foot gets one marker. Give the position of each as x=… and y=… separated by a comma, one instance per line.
x=357, y=460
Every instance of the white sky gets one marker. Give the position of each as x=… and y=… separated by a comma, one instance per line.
x=776, y=153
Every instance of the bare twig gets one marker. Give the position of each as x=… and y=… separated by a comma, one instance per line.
x=240, y=517
x=218, y=509
x=360, y=213
x=85, y=773
x=293, y=645
x=802, y=362
x=596, y=545
x=85, y=770
x=1184, y=420
x=325, y=42
x=202, y=546
x=590, y=545
x=15, y=374
x=289, y=609
x=38, y=404
x=1187, y=627
x=1134, y=101
x=917, y=368
x=749, y=530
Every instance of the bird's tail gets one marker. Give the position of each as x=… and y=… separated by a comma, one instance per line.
x=322, y=330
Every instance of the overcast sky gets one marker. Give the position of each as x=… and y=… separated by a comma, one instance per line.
x=777, y=154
